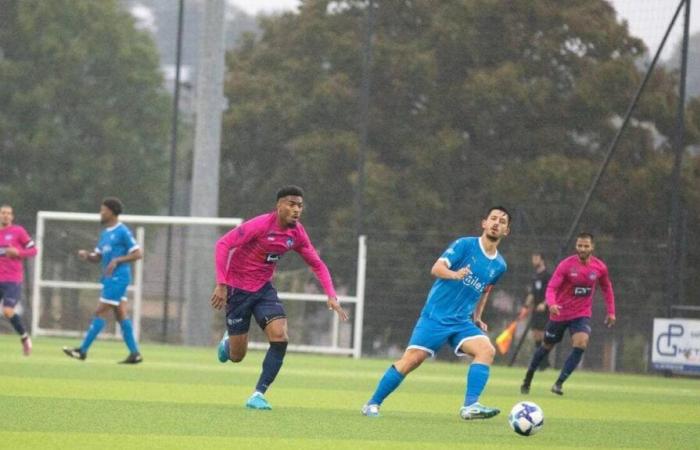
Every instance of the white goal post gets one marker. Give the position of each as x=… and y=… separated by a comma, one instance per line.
x=43, y=281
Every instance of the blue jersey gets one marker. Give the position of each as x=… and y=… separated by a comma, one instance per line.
x=454, y=301
x=115, y=242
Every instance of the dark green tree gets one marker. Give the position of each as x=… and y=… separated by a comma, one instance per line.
x=82, y=110
x=474, y=102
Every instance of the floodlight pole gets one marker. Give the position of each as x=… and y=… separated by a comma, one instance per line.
x=364, y=119
x=675, y=231
x=173, y=169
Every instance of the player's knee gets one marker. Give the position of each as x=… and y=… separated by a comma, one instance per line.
x=487, y=353
x=8, y=313
x=409, y=362
x=236, y=357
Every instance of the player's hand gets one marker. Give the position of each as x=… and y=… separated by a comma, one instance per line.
x=555, y=309
x=610, y=320
x=479, y=323
x=334, y=305
x=461, y=273
x=218, y=297
x=110, y=267
x=83, y=254
x=523, y=313
x=542, y=306
x=12, y=252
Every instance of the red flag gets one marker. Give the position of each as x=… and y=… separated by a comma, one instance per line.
x=504, y=339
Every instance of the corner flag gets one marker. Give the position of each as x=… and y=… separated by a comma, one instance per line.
x=504, y=339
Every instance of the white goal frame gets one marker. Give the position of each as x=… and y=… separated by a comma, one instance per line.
x=137, y=287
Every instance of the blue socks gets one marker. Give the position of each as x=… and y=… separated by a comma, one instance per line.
x=477, y=376
x=16, y=322
x=571, y=364
x=271, y=365
x=95, y=327
x=540, y=354
x=390, y=381
x=128, y=335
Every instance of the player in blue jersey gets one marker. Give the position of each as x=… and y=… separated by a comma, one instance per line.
x=465, y=274
x=115, y=250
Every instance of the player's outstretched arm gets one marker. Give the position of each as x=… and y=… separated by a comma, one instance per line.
x=480, y=309
x=334, y=305
x=608, y=296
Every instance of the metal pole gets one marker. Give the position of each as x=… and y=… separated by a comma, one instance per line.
x=364, y=118
x=204, y=201
x=360, y=296
x=173, y=169
x=138, y=284
x=38, y=266
x=623, y=127
x=675, y=232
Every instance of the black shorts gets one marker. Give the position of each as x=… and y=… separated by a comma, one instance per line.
x=539, y=320
x=554, y=332
x=241, y=305
x=10, y=294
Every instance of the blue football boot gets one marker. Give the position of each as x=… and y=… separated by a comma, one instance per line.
x=477, y=411
x=370, y=410
x=257, y=401
x=223, y=348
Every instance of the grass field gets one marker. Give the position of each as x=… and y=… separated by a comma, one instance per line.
x=182, y=397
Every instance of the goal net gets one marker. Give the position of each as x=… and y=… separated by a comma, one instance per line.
x=172, y=284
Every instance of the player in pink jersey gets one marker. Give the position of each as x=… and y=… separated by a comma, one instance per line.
x=245, y=260
x=570, y=300
x=15, y=246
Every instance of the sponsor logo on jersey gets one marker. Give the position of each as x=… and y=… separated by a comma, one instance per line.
x=272, y=258
x=472, y=281
x=582, y=291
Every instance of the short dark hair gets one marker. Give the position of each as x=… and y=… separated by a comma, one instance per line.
x=499, y=208
x=290, y=190
x=114, y=204
x=585, y=235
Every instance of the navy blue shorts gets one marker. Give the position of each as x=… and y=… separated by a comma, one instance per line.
x=554, y=332
x=241, y=305
x=10, y=294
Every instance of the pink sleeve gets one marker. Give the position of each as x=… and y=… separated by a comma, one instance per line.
x=236, y=237
x=28, y=249
x=554, y=284
x=608, y=294
x=309, y=254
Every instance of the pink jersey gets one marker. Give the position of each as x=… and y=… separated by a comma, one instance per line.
x=11, y=269
x=247, y=255
x=572, y=287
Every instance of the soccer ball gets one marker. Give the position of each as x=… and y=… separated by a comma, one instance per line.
x=526, y=418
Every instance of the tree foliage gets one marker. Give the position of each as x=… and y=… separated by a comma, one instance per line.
x=82, y=111
x=473, y=103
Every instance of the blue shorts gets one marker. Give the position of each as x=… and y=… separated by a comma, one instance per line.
x=113, y=291
x=241, y=305
x=554, y=332
x=10, y=294
x=430, y=335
